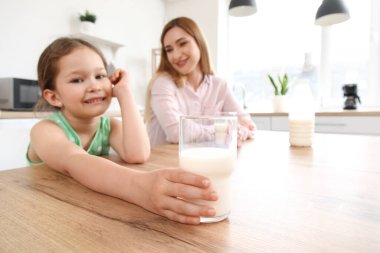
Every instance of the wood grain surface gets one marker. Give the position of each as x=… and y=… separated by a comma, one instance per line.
x=320, y=199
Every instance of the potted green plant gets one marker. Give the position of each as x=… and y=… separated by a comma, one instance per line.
x=88, y=20
x=280, y=90
x=88, y=16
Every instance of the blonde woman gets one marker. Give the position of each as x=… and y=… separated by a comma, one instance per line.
x=185, y=84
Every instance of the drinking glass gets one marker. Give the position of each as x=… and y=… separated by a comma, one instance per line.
x=208, y=147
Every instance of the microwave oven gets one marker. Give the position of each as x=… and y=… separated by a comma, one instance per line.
x=18, y=94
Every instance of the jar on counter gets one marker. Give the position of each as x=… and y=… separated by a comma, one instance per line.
x=301, y=115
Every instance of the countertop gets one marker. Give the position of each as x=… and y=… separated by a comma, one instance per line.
x=33, y=115
x=329, y=112
x=326, y=112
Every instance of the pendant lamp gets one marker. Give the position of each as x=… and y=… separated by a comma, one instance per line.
x=241, y=8
x=331, y=12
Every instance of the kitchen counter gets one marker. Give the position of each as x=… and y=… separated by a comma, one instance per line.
x=361, y=121
x=360, y=112
x=34, y=115
x=332, y=112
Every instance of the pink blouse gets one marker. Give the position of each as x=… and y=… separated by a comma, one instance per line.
x=169, y=102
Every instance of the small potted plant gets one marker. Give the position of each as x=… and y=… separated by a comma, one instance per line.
x=280, y=90
x=88, y=20
x=88, y=16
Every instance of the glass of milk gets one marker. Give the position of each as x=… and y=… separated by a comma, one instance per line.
x=208, y=147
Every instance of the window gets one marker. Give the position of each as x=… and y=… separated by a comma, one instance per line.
x=281, y=37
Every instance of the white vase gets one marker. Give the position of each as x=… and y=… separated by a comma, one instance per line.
x=87, y=27
x=279, y=104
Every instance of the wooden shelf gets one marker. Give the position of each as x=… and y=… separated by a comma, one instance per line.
x=98, y=40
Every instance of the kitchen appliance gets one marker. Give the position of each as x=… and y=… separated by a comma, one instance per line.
x=351, y=94
x=18, y=94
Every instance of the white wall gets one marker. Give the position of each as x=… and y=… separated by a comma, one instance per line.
x=211, y=16
x=27, y=27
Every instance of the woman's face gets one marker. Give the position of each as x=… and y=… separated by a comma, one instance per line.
x=182, y=51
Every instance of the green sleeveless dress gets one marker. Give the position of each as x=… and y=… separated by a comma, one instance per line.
x=99, y=144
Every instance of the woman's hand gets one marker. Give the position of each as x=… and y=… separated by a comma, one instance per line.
x=246, y=127
x=246, y=121
x=164, y=192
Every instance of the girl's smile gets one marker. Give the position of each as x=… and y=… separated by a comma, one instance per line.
x=95, y=99
x=82, y=86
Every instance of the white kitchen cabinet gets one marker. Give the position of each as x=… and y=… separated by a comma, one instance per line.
x=14, y=136
x=262, y=123
x=279, y=123
x=369, y=125
x=348, y=124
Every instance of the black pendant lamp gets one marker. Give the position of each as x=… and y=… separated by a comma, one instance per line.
x=331, y=12
x=241, y=8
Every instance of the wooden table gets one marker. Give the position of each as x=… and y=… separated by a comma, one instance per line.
x=320, y=199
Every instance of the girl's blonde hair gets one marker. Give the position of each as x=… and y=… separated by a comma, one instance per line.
x=47, y=68
x=190, y=27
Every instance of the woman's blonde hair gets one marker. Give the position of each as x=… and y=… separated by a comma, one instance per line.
x=190, y=27
x=47, y=68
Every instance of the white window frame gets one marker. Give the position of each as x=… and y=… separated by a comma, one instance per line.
x=324, y=96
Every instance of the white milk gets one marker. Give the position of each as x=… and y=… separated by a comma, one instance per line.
x=220, y=132
x=301, y=114
x=301, y=132
x=217, y=164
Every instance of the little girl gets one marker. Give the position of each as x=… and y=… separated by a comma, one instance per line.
x=73, y=80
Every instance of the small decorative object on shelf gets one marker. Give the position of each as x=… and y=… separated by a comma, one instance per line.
x=88, y=20
x=280, y=90
x=351, y=94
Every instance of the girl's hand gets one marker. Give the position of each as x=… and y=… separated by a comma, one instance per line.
x=119, y=78
x=164, y=192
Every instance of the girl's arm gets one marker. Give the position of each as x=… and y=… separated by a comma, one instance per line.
x=128, y=137
x=158, y=191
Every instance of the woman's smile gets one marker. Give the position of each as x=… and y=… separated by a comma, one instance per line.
x=181, y=63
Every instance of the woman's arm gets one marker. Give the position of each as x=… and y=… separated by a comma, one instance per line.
x=166, y=107
x=128, y=137
x=246, y=126
x=158, y=191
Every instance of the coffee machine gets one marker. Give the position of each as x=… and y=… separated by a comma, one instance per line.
x=351, y=93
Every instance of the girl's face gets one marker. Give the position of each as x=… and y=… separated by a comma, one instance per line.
x=182, y=51
x=82, y=86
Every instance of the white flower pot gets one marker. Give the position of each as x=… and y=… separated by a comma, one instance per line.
x=87, y=27
x=280, y=103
